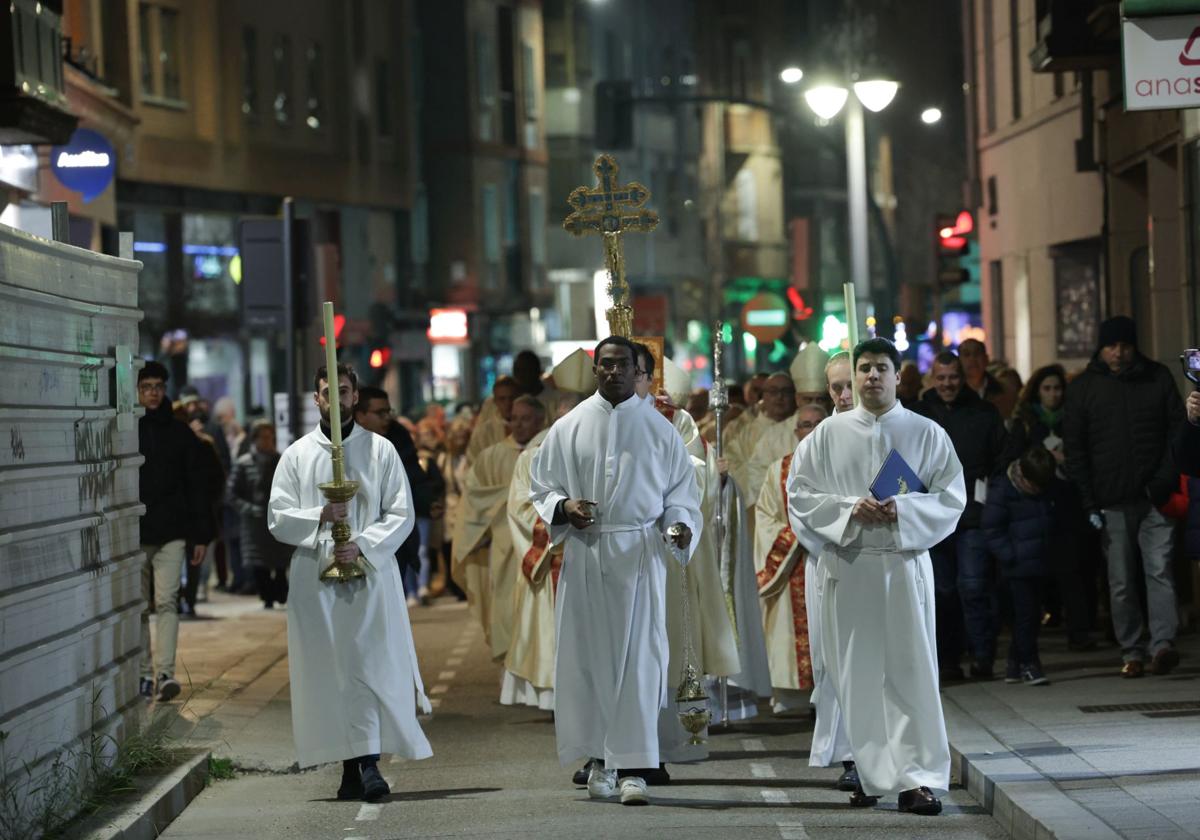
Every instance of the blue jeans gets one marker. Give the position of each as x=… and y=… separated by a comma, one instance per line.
x=965, y=598
x=416, y=577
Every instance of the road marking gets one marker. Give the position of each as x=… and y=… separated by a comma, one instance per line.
x=447, y=675
x=439, y=689
x=459, y=652
x=454, y=661
x=792, y=831
x=774, y=796
x=369, y=811
x=762, y=771
x=435, y=702
x=753, y=745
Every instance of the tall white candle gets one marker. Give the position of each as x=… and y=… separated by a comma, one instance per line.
x=335, y=404
x=851, y=327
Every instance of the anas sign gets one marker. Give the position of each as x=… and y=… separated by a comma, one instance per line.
x=87, y=164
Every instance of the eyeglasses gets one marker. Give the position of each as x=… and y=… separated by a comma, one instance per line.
x=151, y=387
x=611, y=365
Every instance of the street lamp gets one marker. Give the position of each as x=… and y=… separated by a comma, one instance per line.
x=826, y=101
x=791, y=75
x=931, y=115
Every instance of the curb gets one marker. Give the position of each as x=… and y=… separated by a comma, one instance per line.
x=1027, y=804
x=148, y=816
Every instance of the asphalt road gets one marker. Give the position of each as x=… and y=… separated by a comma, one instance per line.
x=494, y=774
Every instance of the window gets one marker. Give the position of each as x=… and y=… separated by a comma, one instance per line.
x=1014, y=56
x=989, y=69
x=537, y=229
x=249, y=72
x=312, y=63
x=485, y=83
x=1058, y=85
x=529, y=68
x=491, y=231
x=993, y=196
x=159, y=52
x=383, y=99
x=282, y=61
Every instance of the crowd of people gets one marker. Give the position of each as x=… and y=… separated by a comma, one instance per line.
x=1070, y=483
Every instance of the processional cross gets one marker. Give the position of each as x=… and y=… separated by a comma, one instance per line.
x=612, y=210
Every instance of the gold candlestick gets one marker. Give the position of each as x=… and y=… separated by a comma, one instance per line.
x=338, y=490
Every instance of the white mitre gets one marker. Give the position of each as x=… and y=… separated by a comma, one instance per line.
x=677, y=382
x=574, y=373
x=808, y=369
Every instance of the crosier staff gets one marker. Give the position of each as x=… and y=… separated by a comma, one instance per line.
x=719, y=401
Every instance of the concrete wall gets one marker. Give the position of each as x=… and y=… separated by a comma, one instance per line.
x=70, y=563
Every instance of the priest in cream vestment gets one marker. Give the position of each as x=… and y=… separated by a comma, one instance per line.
x=877, y=610
x=483, y=547
x=779, y=562
x=355, y=687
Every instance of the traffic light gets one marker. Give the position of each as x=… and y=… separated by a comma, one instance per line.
x=953, y=242
x=380, y=356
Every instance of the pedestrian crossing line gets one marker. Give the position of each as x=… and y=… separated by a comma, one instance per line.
x=434, y=702
x=459, y=652
x=447, y=675
x=753, y=745
x=774, y=796
x=454, y=661
x=762, y=771
x=792, y=830
x=369, y=812
x=439, y=689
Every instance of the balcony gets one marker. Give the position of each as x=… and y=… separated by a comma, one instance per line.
x=1076, y=35
x=33, y=99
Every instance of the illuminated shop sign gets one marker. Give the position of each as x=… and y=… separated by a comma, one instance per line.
x=87, y=164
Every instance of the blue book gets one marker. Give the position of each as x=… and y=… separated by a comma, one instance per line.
x=895, y=478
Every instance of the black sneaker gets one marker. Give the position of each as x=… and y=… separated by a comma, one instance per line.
x=981, y=669
x=352, y=786
x=581, y=776
x=168, y=688
x=1012, y=672
x=1032, y=675
x=374, y=787
x=146, y=688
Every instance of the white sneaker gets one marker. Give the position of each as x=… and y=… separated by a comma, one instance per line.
x=601, y=783
x=633, y=791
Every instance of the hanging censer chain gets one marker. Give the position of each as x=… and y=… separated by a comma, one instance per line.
x=691, y=699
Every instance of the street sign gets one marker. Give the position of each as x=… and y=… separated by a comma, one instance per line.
x=1161, y=62
x=765, y=316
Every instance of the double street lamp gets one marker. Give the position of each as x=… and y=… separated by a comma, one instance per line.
x=827, y=101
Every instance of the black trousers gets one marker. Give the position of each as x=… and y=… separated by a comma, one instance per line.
x=272, y=584
x=1026, y=596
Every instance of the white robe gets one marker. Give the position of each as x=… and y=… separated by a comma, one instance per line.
x=611, y=665
x=355, y=683
x=877, y=612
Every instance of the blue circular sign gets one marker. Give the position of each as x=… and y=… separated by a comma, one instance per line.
x=87, y=164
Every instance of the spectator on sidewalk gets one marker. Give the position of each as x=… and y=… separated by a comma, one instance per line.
x=974, y=357
x=374, y=413
x=1038, y=421
x=1121, y=415
x=430, y=445
x=1018, y=522
x=249, y=492
x=964, y=579
x=228, y=437
x=171, y=486
x=195, y=585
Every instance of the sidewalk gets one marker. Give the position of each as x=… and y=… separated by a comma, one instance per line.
x=1091, y=755
x=232, y=662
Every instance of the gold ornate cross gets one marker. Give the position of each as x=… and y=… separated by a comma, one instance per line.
x=612, y=209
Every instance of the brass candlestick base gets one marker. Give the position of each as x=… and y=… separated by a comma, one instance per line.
x=341, y=490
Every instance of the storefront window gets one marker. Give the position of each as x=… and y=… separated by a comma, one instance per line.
x=211, y=264
x=150, y=247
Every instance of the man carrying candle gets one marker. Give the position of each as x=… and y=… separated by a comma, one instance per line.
x=353, y=697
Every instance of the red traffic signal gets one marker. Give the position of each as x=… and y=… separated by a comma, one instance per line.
x=380, y=357
x=952, y=235
x=339, y=321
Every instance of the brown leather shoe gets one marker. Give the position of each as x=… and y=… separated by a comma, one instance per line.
x=1164, y=661
x=920, y=801
x=1132, y=669
x=858, y=799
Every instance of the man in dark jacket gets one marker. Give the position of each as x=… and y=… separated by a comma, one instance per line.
x=962, y=567
x=1121, y=415
x=374, y=413
x=171, y=484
